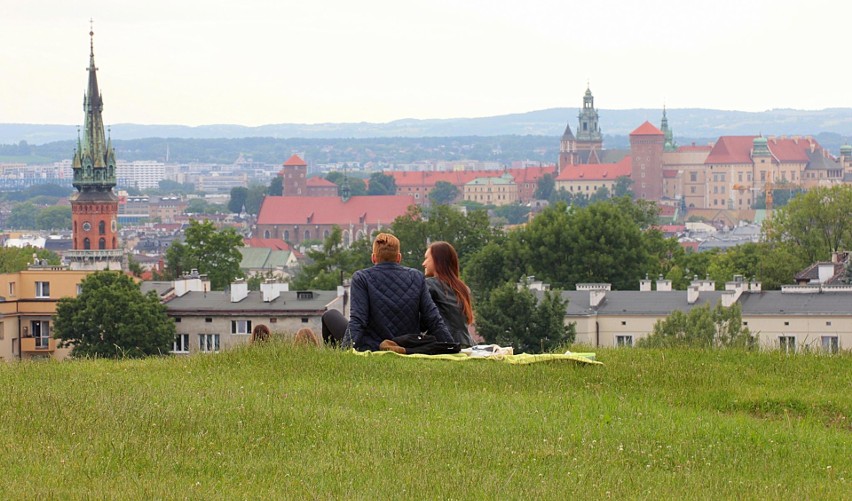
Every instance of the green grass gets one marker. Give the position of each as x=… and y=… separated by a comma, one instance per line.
x=283, y=422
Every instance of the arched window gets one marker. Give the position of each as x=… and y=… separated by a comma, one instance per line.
x=101, y=244
x=266, y=234
x=86, y=244
x=346, y=238
x=307, y=234
x=325, y=234
x=113, y=243
x=101, y=228
x=286, y=235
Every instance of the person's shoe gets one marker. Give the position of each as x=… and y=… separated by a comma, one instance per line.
x=388, y=345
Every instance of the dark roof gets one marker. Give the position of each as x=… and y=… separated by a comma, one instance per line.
x=568, y=134
x=218, y=303
x=818, y=160
x=776, y=302
x=637, y=302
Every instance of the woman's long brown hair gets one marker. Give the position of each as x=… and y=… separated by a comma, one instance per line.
x=446, y=263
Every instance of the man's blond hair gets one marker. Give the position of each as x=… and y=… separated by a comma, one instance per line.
x=386, y=248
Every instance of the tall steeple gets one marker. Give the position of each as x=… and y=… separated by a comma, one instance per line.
x=94, y=159
x=94, y=207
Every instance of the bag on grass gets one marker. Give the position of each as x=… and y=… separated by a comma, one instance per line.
x=425, y=344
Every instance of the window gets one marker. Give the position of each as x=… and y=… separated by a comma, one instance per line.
x=240, y=326
x=101, y=228
x=787, y=344
x=41, y=332
x=208, y=342
x=828, y=323
x=693, y=177
x=304, y=320
x=42, y=289
x=830, y=344
x=87, y=244
x=208, y=320
x=786, y=323
x=11, y=288
x=181, y=344
x=624, y=322
x=625, y=341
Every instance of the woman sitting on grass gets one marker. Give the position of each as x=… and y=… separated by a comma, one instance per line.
x=450, y=294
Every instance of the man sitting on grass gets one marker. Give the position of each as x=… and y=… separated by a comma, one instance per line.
x=388, y=300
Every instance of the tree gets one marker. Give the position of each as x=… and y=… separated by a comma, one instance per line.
x=816, y=223
x=622, y=187
x=513, y=213
x=112, y=318
x=15, y=259
x=545, y=187
x=276, y=186
x=238, y=199
x=254, y=198
x=57, y=217
x=333, y=262
x=201, y=206
x=702, y=327
x=23, y=216
x=466, y=233
x=443, y=193
x=357, y=187
x=210, y=251
x=381, y=184
x=513, y=316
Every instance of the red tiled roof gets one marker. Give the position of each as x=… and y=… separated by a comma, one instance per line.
x=667, y=210
x=588, y=172
x=737, y=150
x=731, y=150
x=670, y=173
x=318, y=182
x=332, y=210
x=267, y=243
x=672, y=228
x=704, y=147
x=295, y=160
x=531, y=174
x=460, y=178
x=647, y=129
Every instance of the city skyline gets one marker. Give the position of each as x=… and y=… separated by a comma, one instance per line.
x=263, y=62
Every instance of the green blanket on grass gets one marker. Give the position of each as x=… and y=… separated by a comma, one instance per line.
x=519, y=359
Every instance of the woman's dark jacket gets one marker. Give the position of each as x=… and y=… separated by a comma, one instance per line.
x=451, y=311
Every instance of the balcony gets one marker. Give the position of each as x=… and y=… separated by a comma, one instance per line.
x=99, y=254
x=38, y=345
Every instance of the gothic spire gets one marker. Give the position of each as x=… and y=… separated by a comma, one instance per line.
x=94, y=161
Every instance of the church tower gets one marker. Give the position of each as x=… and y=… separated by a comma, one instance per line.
x=94, y=207
x=589, y=138
x=567, y=150
x=294, y=173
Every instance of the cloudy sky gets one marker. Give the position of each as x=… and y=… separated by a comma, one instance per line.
x=256, y=62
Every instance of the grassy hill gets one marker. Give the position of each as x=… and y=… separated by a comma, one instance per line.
x=283, y=422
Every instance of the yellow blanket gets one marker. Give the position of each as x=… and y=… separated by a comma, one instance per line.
x=519, y=359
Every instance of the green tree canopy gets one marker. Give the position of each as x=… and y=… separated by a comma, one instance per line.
x=254, y=198
x=238, y=199
x=23, y=216
x=816, y=223
x=357, y=187
x=14, y=259
x=212, y=252
x=381, y=184
x=702, y=327
x=327, y=266
x=443, y=193
x=276, y=186
x=513, y=316
x=56, y=217
x=466, y=233
x=545, y=186
x=112, y=318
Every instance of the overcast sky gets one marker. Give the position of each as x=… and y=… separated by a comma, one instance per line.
x=255, y=62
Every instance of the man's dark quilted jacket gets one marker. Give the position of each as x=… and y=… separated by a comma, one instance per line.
x=389, y=300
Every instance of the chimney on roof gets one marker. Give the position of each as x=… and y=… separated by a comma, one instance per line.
x=737, y=286
x=663, y=284
x=239, y=290
x=826, y=271
x=271, y=289
x=692, y=294
x=645, y=284
x=596, y=297
x=754, y=286
x=729, y=298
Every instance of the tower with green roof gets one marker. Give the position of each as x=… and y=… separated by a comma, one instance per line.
x=94, y=207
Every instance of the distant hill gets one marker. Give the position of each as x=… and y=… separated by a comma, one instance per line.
x=686, y=123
